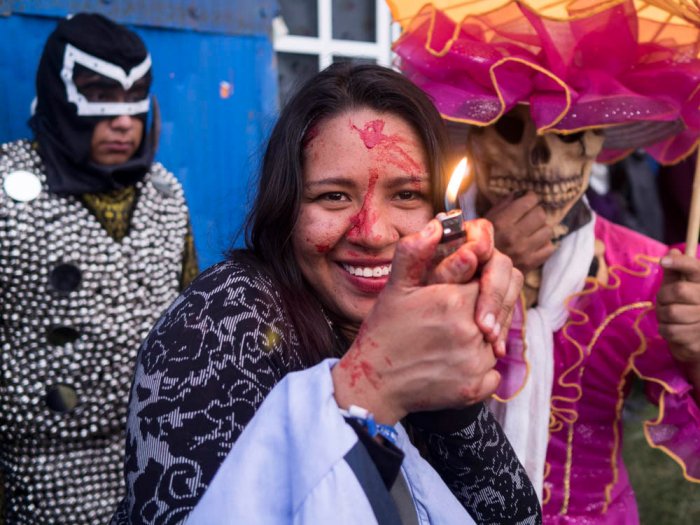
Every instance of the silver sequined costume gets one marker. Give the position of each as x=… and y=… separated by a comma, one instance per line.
x=74, y=307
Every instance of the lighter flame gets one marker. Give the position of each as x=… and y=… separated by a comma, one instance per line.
x=458, y=175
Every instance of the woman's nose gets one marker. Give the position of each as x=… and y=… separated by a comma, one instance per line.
x=371, y=227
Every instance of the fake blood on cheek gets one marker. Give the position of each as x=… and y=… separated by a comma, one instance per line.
x=324, y=239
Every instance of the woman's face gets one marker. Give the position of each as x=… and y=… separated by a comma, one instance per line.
x=366, y=184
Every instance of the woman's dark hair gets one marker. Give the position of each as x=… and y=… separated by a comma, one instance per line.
x=270, y=223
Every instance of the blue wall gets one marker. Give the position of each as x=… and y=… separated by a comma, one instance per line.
x=211, y=143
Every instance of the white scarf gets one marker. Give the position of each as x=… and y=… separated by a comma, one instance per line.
x=525, y=419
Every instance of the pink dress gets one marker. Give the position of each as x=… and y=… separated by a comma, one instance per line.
x=611, y=335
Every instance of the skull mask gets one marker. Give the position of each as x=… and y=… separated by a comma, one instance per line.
x=509, y=156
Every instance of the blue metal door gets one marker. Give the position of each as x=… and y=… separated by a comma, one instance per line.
x=215, y=79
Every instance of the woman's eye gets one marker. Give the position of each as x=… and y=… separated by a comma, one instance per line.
x=335, y=196
x=406, y=195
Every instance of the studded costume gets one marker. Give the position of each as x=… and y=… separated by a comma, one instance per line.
x=75, y=305
x=90, y=256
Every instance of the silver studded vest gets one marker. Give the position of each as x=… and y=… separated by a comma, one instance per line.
x=74, y=307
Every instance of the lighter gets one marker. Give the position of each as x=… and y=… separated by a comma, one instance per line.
x=453, y=233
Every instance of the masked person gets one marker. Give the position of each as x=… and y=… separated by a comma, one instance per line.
x=94, y=244
x=547, y=93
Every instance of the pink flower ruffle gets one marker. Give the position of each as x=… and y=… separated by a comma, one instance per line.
x=603, y=69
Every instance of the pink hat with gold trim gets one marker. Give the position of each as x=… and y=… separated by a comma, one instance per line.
x=627, y=66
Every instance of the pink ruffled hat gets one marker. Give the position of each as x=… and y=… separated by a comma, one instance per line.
x=628, y=66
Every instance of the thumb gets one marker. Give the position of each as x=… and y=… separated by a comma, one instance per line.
x=680, y=267
x=669, y=275
x=414, y=256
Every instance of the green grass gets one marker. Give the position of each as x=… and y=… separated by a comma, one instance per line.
x=664, y=496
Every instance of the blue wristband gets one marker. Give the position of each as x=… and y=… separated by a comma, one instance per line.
x=366, y=418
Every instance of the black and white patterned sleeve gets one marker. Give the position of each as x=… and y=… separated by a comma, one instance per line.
x=201, y=374
x=479, y=465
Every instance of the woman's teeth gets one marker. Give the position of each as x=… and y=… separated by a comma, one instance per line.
x=368, y=271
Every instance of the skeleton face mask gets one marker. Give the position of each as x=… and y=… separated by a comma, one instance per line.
x=509, y=156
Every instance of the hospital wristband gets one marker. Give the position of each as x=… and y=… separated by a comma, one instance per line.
x=366, y=419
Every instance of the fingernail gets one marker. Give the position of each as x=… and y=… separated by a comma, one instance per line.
x=463, y=266
x=489, y=320
x=463, y=262
x=496, y=329
x=666, y=262
x=501, y=347
x=428, y=230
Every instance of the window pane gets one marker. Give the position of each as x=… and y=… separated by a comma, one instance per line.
x=354, y=20
x=300, y=16
x=293, y=70
x=354, y=60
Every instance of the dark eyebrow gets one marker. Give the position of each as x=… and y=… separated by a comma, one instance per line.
x=397, y=182
x=394, y=182
x=331, y=181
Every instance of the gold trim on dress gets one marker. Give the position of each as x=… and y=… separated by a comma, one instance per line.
x=569, y=416
x=621, y=401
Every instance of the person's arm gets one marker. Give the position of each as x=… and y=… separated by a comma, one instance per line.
x=471, y=453
x=200, y=377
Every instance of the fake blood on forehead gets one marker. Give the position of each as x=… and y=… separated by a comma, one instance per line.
x=390, y=150
x=372, y=134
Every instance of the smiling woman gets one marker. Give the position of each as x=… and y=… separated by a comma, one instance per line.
x=358, y=201
x=340, y=264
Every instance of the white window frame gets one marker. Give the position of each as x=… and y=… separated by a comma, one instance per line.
x=325, y=47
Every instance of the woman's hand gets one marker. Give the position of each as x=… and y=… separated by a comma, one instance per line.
x=420, y=348
x=500, y=283
x=678, y=311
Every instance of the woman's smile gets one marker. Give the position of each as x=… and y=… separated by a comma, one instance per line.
x=369, y=279
x=368, y=271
